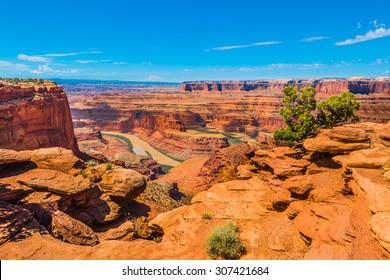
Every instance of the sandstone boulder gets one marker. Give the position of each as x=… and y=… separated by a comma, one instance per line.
x=299, y=186
x=283, y=167
x=71, y=230
x=119, y=230
x=122, y=185
x=59, y=159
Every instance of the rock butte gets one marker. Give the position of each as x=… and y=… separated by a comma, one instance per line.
x=326, y=200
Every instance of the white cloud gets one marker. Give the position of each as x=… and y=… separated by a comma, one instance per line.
x=380, y=32
x=42, y=69
x=278, y=66
x=359, y=25
x=86, y=61
x=120, y=63
x=33, y=58
x=154, y=78
x=6, y=65
x=380, y=61
x=242, y=46
x=313, y=39
x=70, y=54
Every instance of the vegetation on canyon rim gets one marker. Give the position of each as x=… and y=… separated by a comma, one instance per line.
x=224, y=243
x=301, y=122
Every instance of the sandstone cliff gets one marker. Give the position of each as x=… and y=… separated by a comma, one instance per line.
x=35, y=115
x=326, y=86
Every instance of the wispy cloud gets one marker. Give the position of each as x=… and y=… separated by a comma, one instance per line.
x=146, y=63
x=380, y=32
x=313, y=39
x=359, y=25
x=154, y=78
x=279, y=66
x=43, y=69
x=380, y=61
x=87, y=61
x=120, y=63
x=6, y=65
x=242, y=46
x=33, y=58
x=70, y=54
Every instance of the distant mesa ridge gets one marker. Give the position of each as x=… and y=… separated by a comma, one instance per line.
x=356, y=85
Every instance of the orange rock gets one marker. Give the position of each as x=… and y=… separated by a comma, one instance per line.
x=33, y=118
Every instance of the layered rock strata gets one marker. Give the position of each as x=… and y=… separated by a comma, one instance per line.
x=35, y=116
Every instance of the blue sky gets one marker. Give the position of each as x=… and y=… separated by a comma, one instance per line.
x=194, y=40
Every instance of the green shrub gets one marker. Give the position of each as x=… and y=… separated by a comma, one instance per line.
x=224, y=243
x=108, y=166
x=338, y=109
x=92, y=162
x=206, y=216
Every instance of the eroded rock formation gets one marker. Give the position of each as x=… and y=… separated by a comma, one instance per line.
x=35, y=116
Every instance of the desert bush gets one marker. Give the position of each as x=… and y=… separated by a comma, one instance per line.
x=92, y=162
x=206, y=216
x=224, y=243
x=108, y=166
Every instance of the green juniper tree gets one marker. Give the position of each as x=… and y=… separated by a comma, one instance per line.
x=338, y=109
x=296, y=113
x=298, y=117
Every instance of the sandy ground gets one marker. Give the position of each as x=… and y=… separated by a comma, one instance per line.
x=158, y=156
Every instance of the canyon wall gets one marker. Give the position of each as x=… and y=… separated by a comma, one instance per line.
x=35, y=115
x=325, y=86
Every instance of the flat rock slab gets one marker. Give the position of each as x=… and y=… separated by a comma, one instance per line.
x=11, y=156
x=54, y=181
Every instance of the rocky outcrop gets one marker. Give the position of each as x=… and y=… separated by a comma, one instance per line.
x=222, y=165
x=47, y=186
x=35, y=116
x=122, y=185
